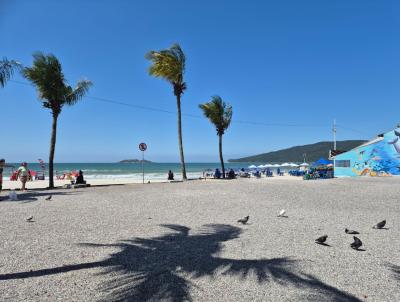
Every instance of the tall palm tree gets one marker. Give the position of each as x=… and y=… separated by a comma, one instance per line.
x=220, y=114
x=46, y=74
x=169, y=64
x=7, y=69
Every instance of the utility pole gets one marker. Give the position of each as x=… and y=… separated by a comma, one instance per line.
x=334, y=134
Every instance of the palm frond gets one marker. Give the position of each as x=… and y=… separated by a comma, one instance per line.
x=7, y=68
x=218, y=112
x=168, y=64
x=46, y=73
x=74, y=95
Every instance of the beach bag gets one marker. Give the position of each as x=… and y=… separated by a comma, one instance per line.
x=13, y=195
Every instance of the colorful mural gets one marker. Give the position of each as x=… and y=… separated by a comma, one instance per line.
x=379, y=157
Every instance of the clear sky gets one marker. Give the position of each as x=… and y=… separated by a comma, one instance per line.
x=292, y=63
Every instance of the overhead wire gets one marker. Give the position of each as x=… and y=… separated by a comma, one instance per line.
x=154, y=109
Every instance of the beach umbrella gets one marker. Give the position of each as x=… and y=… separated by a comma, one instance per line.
x=322, y=162
x=261, y=166
x=304, y=165
x=252, y=167
x=268, y=166
x=285, y=165
x=275, y=166
x=294, y=165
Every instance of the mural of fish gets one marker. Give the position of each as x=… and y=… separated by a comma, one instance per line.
x=393, y=141
x=395, y=144
x=380, y=157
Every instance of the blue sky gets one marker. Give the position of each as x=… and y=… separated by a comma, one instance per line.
x=277, y=62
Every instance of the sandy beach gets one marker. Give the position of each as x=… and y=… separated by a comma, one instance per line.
x=40, y=184
x=43, y=184
x=181, y=242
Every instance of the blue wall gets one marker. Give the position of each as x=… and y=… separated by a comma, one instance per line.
x=380, y=158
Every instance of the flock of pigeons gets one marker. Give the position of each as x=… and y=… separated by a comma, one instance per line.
x=321, y=240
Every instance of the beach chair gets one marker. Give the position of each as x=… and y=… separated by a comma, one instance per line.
x=13, y=176
x=39, y=176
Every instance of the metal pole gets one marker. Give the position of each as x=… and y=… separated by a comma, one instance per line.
x=334, y=134
x=143, y=165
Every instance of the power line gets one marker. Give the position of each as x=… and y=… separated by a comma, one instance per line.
x=154, y=109
x=352, y=130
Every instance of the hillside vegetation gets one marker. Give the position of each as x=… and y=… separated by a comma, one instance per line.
x=295, y=154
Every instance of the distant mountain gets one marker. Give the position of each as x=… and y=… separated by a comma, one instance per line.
x=130, y=161
x=295, y=154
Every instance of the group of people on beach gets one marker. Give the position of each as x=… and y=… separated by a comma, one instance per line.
x=23, y=174
x=230, y=175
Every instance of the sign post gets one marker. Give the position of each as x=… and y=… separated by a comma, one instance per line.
x=142, y=147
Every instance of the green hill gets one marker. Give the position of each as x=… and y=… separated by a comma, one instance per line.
x=295, y=154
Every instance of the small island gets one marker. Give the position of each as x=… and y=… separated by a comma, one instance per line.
x=135, y=161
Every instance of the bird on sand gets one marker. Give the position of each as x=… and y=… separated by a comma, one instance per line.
x=244, y=220
x=282, y=213
x=49, y=197
x=29, y=219
x=379, y=225
x=321, y=239
x=356, y=244
x=347, y=231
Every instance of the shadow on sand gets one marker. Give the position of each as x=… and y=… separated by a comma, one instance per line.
x=152, y=269
x=30, y=196
x=395, y=270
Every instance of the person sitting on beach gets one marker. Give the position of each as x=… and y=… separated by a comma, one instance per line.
x=23, y=174
x=217, y=173
x=170, y=175
x=79, y=179
x=231, y=174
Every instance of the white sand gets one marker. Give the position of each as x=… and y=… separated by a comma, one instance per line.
x=43, y=184
x=181, y=241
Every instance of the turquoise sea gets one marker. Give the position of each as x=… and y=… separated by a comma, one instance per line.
x=132, y=170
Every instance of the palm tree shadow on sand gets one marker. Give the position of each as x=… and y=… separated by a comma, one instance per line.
x=153, y=269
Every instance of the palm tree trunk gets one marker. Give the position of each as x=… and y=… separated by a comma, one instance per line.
x=183, y=168
x=221, y=158
x=52, y=150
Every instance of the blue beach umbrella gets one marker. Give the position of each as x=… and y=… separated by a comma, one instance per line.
x=322, y=162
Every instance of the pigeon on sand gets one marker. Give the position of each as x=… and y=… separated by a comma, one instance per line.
x=49, y=197
x=347, y=231
x=29, y=219
x=379, y=225
x=244, y=220
x=282, y=213
x=356, y=244
x=321, y=239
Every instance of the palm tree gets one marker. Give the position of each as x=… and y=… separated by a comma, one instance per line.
x=220, y=114
x=46, y=74
x=7, y=70
x=169, y=64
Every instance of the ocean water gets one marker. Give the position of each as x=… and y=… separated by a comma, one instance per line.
x=131, y=170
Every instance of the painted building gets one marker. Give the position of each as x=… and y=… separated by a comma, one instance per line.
x=378, y=157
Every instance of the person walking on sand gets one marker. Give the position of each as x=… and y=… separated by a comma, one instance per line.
x=23, y=174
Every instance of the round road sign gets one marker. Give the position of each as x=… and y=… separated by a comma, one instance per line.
x=142, y=147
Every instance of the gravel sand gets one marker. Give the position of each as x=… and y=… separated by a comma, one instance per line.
x=182, y=242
